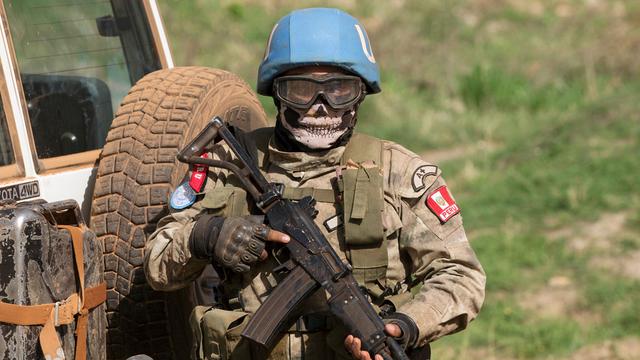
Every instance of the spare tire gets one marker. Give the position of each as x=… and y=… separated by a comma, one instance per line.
x=136, y=173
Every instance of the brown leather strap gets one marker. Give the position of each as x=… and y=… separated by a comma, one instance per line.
x=49, y=340
x=77, y=235
x=62, y=312
x=81, y=335
x=92, y=297
x=39, y=314
x=95, y=296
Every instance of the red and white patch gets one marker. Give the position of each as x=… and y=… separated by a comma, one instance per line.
x=199, y=175
x=442, y=204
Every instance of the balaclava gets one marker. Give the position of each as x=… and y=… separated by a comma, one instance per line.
x=316, y=129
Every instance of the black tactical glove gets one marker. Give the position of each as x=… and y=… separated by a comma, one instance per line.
x=405, y=323
x=235, y=243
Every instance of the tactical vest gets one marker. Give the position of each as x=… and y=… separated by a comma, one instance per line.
x=357, y=194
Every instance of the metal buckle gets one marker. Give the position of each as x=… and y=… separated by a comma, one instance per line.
x=56, y=308
x=300, y=325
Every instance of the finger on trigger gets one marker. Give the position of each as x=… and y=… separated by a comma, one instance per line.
x=264, y=255
x=277, y=236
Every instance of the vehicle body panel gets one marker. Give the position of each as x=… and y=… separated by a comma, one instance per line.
x=63, y=176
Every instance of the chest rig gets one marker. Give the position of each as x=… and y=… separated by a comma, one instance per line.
x=357, y=193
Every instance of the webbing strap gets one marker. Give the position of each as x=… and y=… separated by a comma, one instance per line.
x=77, y=235
x=259, y=146
x=62, y=312
x=320, y=195
x=361, y=193
x=361, y=148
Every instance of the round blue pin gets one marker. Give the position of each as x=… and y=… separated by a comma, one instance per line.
x=182, y=197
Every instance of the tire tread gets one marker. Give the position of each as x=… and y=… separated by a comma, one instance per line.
x=136, y=172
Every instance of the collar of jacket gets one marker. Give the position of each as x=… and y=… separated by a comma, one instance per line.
x=305, y=164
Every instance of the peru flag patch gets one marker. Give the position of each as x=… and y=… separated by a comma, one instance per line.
x=442, y=204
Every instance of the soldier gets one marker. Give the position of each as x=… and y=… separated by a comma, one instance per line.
x=383, y=209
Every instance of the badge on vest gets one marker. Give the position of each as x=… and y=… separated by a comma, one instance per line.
x=442, y=204
x=183, y=196
x=199, y=175
x=417, y=179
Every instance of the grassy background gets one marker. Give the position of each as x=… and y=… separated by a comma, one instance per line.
x=532, y=110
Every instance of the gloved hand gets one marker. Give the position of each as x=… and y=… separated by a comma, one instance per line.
x=235, y=243
x=408, y=333
x=408, y=329
x=397, y=325
x=354, y=344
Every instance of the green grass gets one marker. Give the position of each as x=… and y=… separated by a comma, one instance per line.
x=504, y=329
x=618, y=300
x=544, y=95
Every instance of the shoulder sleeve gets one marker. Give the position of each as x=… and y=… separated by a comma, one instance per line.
x=447, y=278
x=168, y=263
x=408, y=175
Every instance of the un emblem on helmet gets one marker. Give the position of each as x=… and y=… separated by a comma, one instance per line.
x=364, y=41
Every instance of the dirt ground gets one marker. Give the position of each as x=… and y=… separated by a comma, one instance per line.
x=603, y=240
x=623, y=349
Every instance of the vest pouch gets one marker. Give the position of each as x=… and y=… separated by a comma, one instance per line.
x=226, y=201
x=363, y=203
x=362, y=207
x=217, y=334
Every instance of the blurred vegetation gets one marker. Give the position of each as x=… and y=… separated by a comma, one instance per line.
x=532, y=110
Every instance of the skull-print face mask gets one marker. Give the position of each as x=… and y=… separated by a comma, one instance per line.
x=319, y=128
x=316, y=113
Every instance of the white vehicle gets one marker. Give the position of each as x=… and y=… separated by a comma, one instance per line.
x=73, y=127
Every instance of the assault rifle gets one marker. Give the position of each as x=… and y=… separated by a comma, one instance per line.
x=313, y=263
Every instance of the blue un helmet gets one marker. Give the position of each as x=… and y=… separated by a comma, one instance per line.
x=318, y=36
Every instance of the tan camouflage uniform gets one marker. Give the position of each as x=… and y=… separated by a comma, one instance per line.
x=418, y=244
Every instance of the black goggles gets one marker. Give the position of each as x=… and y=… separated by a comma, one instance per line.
x=301, y=91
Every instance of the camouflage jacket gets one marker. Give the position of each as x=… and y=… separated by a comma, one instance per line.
x=424, y=253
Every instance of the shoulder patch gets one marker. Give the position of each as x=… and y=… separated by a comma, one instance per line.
x=182, y=197
x=407, y=174
x=414, y=177
x=417, y=179
x=441, y=203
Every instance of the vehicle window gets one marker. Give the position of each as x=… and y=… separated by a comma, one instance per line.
x=6, y=151
x=77, y=60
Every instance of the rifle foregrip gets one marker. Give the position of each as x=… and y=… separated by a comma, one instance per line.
x=356, y=313
x=268, y=323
